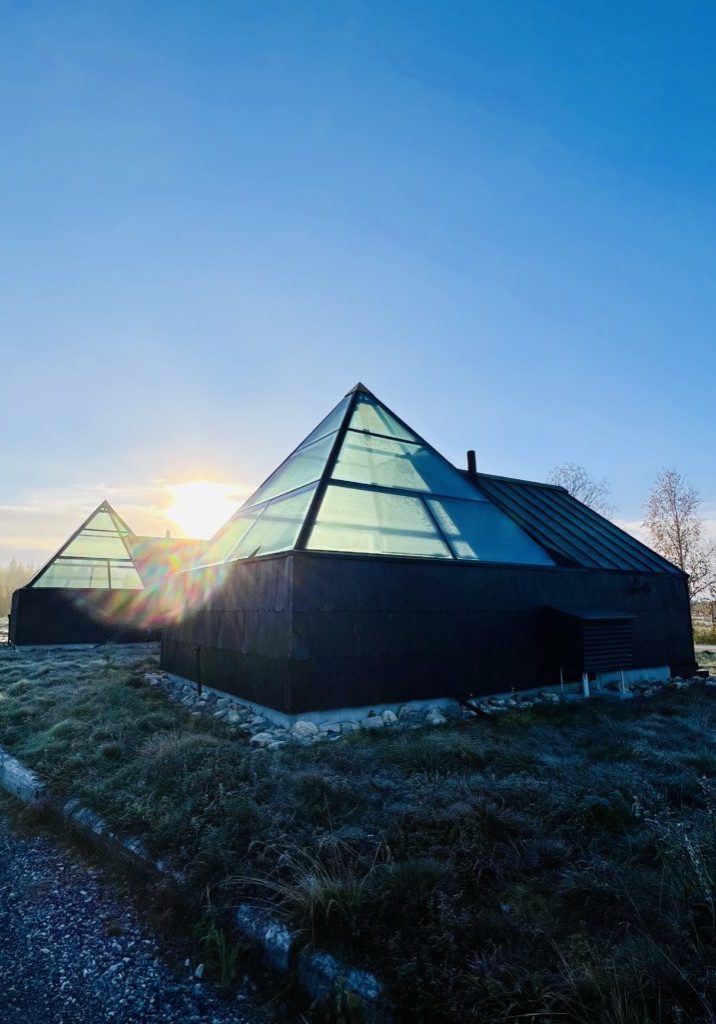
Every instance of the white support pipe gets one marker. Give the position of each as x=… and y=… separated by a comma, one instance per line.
x=585, y=684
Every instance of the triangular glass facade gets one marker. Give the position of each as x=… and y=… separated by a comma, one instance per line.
x=95, y=557
x=364, y=482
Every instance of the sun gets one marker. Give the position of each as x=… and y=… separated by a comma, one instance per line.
x=200, y=507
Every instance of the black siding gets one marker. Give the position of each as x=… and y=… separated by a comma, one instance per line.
x=239, y=638
x=370, y=630
x=53, y=615
x=306, y=631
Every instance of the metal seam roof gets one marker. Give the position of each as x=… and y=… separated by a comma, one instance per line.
x=569, y=528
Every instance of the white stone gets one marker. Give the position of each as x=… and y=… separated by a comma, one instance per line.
x=302, y=729
x=331, y=727
x=372, y=723
x=434, y=717
x=233, y=717
x=487, y=709
x=389, y=717
x=349, y=727
x=276, y=744
x=261, y=739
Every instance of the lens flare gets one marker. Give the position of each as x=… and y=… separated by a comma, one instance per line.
x=173, y=590
x=200, y=507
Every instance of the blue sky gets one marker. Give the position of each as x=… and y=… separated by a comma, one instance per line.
x=217, y=217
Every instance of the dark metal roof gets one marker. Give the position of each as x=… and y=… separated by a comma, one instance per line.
x=572, y=532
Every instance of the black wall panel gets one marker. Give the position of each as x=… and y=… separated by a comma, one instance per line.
x=48, y=615
x=305, y=631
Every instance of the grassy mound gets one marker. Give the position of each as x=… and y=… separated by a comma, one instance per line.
x=557, y=864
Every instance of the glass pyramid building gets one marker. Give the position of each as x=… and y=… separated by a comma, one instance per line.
x=363, y=482
x=95, y=557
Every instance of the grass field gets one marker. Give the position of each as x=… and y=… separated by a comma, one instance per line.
x=557, y=864
x=706, y=655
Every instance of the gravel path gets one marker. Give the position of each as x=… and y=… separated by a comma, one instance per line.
x=72, y=948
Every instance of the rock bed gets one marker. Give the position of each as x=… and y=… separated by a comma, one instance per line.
x=76, y=951
x=265, y=734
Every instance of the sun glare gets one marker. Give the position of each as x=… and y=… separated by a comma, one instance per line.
x=200, y=507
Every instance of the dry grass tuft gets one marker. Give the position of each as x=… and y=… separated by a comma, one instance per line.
x=557, y=865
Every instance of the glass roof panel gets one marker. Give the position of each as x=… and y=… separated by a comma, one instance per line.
x=275, y=528
x=85, y=559
x=388, y=493
x=81, y=574
x=353, y=519
x=370, y=415
x=329, y=425
x=223, y=544
x=303, y=467
x=103, y=521
x=479, y=530
x=377, y=460
x=125, y=577
x=97, y=545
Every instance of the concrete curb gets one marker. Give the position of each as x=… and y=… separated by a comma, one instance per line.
x=324, y=979
x=321, y=975
x=21, y=783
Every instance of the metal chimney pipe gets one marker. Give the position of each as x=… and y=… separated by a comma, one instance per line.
x=472, y=463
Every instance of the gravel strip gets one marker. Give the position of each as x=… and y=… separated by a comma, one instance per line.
x=73, y=949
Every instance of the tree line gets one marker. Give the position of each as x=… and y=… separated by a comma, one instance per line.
x=12, y=576
x=673, y=519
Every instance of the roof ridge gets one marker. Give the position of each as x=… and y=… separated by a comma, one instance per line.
x=517, y=480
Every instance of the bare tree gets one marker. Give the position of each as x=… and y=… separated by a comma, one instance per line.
x=576, y=480
x=676, y=528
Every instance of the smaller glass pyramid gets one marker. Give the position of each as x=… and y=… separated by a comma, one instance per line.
x=95, y=557
x=364, y=482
